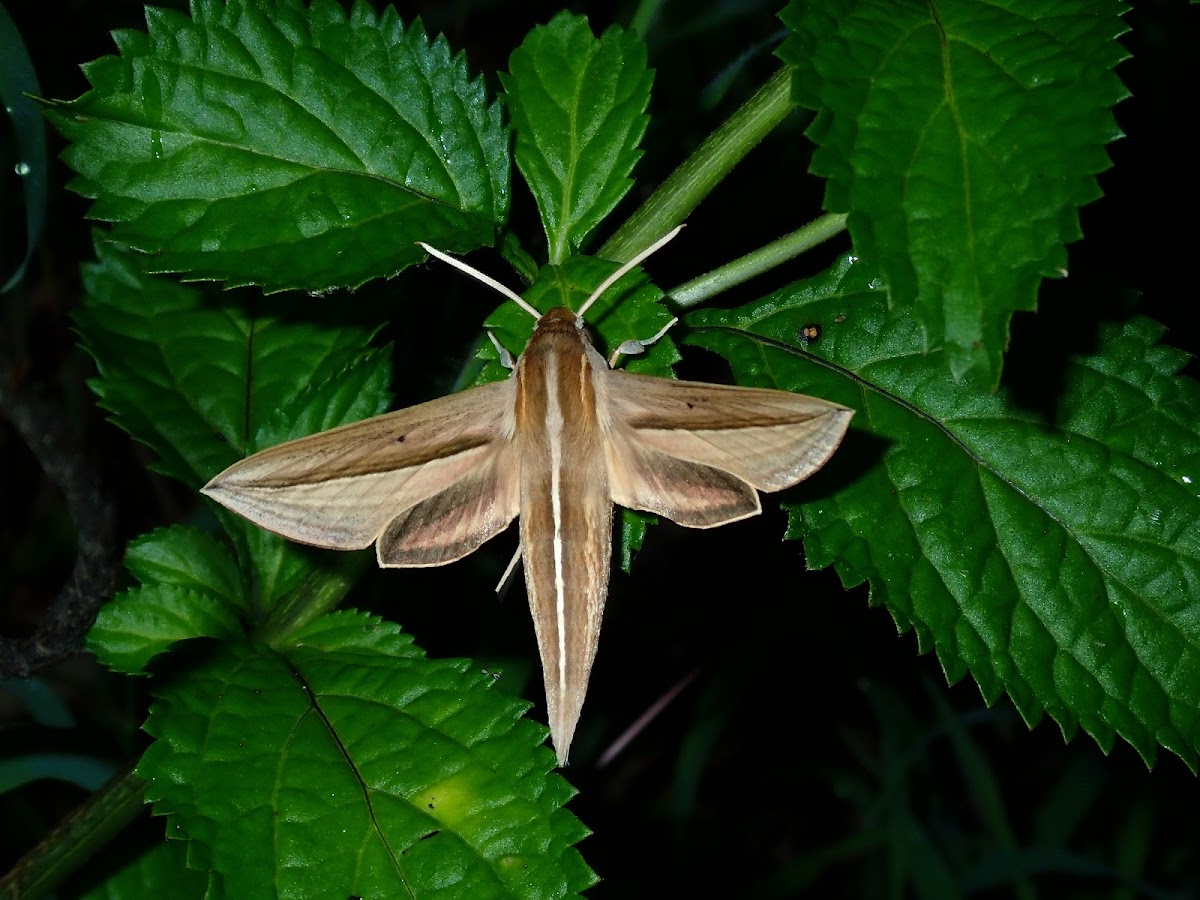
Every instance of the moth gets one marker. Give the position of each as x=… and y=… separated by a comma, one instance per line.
x=558, y=443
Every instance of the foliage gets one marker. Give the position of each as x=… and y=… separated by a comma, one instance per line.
x=1032, y=518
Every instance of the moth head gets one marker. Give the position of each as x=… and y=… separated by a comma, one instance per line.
x=560, y=319
x=557, y=318
x=524, y=304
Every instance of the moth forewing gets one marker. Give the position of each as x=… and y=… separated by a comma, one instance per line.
x=340, y=488
x=558, y=443
x=767, y=438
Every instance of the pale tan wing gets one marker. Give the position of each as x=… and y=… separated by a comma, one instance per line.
x=341, y=488
x=681, y=448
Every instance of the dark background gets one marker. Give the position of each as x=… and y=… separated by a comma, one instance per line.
x=812, y=752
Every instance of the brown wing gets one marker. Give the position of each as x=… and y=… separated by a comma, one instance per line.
x=341, y=488
x=457, y=520
x=695, y=452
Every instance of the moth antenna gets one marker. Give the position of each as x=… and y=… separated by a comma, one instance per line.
x=479, y=276
x=608, y=282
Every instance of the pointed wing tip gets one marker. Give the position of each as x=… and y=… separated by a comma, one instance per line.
x=844, y=416
x=840, y=417
x=218, y=489
x=562, y=748
x=562, y=733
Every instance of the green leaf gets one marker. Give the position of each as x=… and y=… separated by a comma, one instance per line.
x=190, y=588
x=578, y=109
x=159, y=872
x=630, y=309
x=205, y=383
x=1055, y=560
x=430, y=778
x=17, y=79
x=633, y=535
x=287, y=147
x=177, y=368
x=358, y=391
x=961, y=139
x=144, y=622
x=185, y=557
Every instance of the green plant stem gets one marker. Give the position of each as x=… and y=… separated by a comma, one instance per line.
x=644, y=17
x=76, y=840
x=523, y=264
x=316, y=595
x=703, y=170
x=779, y=251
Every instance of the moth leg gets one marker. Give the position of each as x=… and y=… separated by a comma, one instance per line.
x=508, y=571
x=634, y=346
x=506, y=359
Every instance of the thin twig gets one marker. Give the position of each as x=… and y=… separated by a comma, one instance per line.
x=42, y=424
x=654, y=711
